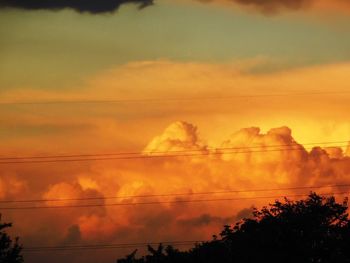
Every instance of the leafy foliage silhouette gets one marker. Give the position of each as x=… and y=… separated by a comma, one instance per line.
x=10, y=251
x=316, y=229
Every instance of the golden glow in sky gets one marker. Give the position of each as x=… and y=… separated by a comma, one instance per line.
x=242, y=96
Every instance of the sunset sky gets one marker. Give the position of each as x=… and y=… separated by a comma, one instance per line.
x=266, y=80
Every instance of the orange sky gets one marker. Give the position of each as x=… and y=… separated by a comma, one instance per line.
x=259, y=169
x=313, y=101
x=139, y=89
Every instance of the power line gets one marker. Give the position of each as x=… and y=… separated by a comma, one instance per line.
x=109, y=246
x=157, y=100
x=56, y=160
x=161, y=202
x=176, y=194
x=168, y=152
x=132, y=245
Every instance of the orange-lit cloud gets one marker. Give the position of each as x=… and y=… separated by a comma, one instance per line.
x=148, y=128
x=11, y=186
x=250, y=164
x=178, y=136
x=230, y=96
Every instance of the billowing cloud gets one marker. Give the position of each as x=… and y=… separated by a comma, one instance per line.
x=91, y=6
x=347, y=153
x=247, y=159
x=141, y=126
x=11, y=186
x=178, y=136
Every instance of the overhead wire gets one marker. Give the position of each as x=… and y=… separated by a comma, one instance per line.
x=123, y=204
x=141, y=156
x=109, y=246
x=18, y=160
x=153, y=100
x=133, y=245
x=2, y=158
x=230, y=191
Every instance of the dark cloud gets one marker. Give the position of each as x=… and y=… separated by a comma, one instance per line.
x=90, y=6
x=270, y=6
x=205, y=220
x=245, y=213
x=73, y=235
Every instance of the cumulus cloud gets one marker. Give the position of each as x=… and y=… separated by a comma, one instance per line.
x=334, y=152
x=270, y=155
x=347, y=153
x=256, y=168
x=70, y=193
x=178, y=136
x=253, y=160
x=11, y=186
x=91, y=6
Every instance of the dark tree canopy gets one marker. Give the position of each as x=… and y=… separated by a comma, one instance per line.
x=10, y=251
x=316, y=229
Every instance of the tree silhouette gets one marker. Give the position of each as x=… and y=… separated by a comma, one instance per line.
x=10, y=251
x=316, y=229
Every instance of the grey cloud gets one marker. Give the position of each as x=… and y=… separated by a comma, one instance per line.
x=90, y=6
x=270, y=6
x=204, y=220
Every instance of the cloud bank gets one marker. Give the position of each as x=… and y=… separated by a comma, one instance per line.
x=260, y=166
x=153, y=128
x=90, y=6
